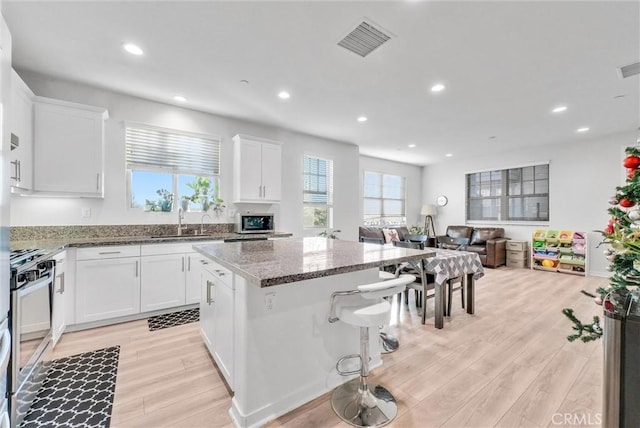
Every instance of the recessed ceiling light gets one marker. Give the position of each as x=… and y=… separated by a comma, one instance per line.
x=132, y=49
x=448, y=155
x=245, y=81
x=180, y=99
x=411, y=146
x=492, y=137
x=437, y=87
x=284, y=95
x=585, y=129
x=362, y=119
x=559, y=109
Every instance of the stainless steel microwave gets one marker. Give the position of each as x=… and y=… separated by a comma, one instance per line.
x=255, y=223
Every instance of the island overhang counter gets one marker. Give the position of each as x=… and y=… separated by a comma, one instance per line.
x=264, y=317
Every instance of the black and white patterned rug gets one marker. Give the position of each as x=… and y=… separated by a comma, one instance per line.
x=173, y=319
x=77, y=392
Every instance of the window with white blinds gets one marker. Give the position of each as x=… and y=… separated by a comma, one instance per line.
x=317, y=192
x=167, y=165
x=183, y=152
x=384, y=199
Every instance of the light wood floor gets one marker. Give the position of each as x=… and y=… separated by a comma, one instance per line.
x=509, y=365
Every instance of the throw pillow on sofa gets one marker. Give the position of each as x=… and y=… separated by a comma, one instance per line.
x=390, y=235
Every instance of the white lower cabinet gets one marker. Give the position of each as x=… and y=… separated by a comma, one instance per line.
x=125, y=280
x=217, y=317
x=163, y=282
x=170, y=275
x=107, y=283
x=207, y=309
x=58, y=316
x=195, y=262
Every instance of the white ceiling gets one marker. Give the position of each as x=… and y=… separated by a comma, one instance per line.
x=505, y=65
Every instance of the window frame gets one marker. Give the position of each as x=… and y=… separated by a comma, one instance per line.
x=330, y=193
x=505, y=197
x=174, y=172
x=382, y=198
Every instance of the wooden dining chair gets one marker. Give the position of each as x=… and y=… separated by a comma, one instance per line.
x=414, y=270
x=459, y=244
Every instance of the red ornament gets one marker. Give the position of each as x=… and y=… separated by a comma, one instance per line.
x=609, y=306
x=632, y=173
x=631, y=161
x=626, y=203
x=610, y=229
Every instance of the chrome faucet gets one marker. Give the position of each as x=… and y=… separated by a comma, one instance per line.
x=202, y=223
x=180, y=218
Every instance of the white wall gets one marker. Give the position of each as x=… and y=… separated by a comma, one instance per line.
x=113, y=209
x=413, y=176
x=583, y=177
x=37, y=211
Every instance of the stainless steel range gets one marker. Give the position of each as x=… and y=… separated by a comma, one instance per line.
x=32, y=278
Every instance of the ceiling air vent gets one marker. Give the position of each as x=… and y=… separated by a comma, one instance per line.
x=364, y=39
x=630, y=70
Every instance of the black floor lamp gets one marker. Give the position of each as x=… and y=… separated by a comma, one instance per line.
x=429, y=211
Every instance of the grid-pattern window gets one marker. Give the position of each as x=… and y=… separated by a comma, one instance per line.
x=384, y=199
x=515, y=194
x=317, y=192
x=167, y=165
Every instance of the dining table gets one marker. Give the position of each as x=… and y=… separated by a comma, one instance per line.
x=445, y=265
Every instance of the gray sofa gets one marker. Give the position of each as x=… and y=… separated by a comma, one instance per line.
x=375, y=232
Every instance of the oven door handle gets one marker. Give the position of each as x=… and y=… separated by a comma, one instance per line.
x=34, y=286
x=6, y=347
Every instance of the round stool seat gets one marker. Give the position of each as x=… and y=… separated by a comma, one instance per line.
x=384, y=275
x=369, y=315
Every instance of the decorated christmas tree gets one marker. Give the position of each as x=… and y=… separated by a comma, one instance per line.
x=623, y=235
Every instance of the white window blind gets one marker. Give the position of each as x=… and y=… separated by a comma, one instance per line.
x=183, y=152
x=384, y=199
x=318, y=181
x=317, y=192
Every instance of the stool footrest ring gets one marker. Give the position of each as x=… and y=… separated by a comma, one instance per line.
x=350, y=372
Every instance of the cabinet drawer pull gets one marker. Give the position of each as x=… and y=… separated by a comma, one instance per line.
x=15, y=175
x=137, y=268
x=98, y=182
x=189, y=263
x=19, y=171
x=204, y=262
x=110, y=252
x=209, y=298
x=61, y=289
x=264, y=192
x=182, y=263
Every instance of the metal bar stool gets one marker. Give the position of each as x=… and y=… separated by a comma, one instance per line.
x=358, y=402
x=389, y=341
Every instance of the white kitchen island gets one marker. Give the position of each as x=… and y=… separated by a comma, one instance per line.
x=264, y=317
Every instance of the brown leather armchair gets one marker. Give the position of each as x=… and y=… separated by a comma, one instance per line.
x=488, y=242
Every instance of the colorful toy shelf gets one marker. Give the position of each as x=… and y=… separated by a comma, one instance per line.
x=559, y=251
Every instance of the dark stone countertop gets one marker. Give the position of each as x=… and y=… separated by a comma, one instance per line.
x=268, y=263
x=56, y=244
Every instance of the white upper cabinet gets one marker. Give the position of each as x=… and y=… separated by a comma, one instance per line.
x=21, y=128
x=68, y=148
x=257, y=169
